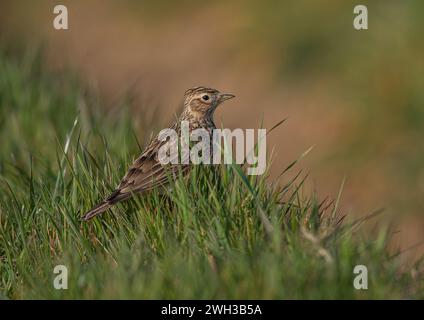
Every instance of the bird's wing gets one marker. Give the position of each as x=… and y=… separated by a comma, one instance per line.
x=146, y=173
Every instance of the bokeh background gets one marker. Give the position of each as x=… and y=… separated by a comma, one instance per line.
x=356, y=96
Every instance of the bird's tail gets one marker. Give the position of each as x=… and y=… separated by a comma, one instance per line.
x=100, y=208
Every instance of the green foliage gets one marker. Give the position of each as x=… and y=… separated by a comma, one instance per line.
x=216, y=234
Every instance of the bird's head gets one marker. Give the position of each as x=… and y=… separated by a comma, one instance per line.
x=202, y=101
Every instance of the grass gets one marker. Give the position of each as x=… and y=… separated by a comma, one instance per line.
x=213, y=235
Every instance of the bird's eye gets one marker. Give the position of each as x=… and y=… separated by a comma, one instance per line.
x=205, y=97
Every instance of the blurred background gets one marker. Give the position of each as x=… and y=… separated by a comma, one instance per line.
x=356, y=96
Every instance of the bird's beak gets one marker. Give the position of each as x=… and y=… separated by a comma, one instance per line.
x=225, y=96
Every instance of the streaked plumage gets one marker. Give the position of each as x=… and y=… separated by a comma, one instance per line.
x=147, y=173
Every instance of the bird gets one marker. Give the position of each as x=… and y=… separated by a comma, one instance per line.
x=147, y=172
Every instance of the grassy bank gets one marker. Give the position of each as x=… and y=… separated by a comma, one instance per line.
x=225, y=236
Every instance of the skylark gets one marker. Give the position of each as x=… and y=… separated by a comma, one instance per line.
x=147, y=172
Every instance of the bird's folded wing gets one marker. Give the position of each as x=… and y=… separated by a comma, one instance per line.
x=146, y=173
